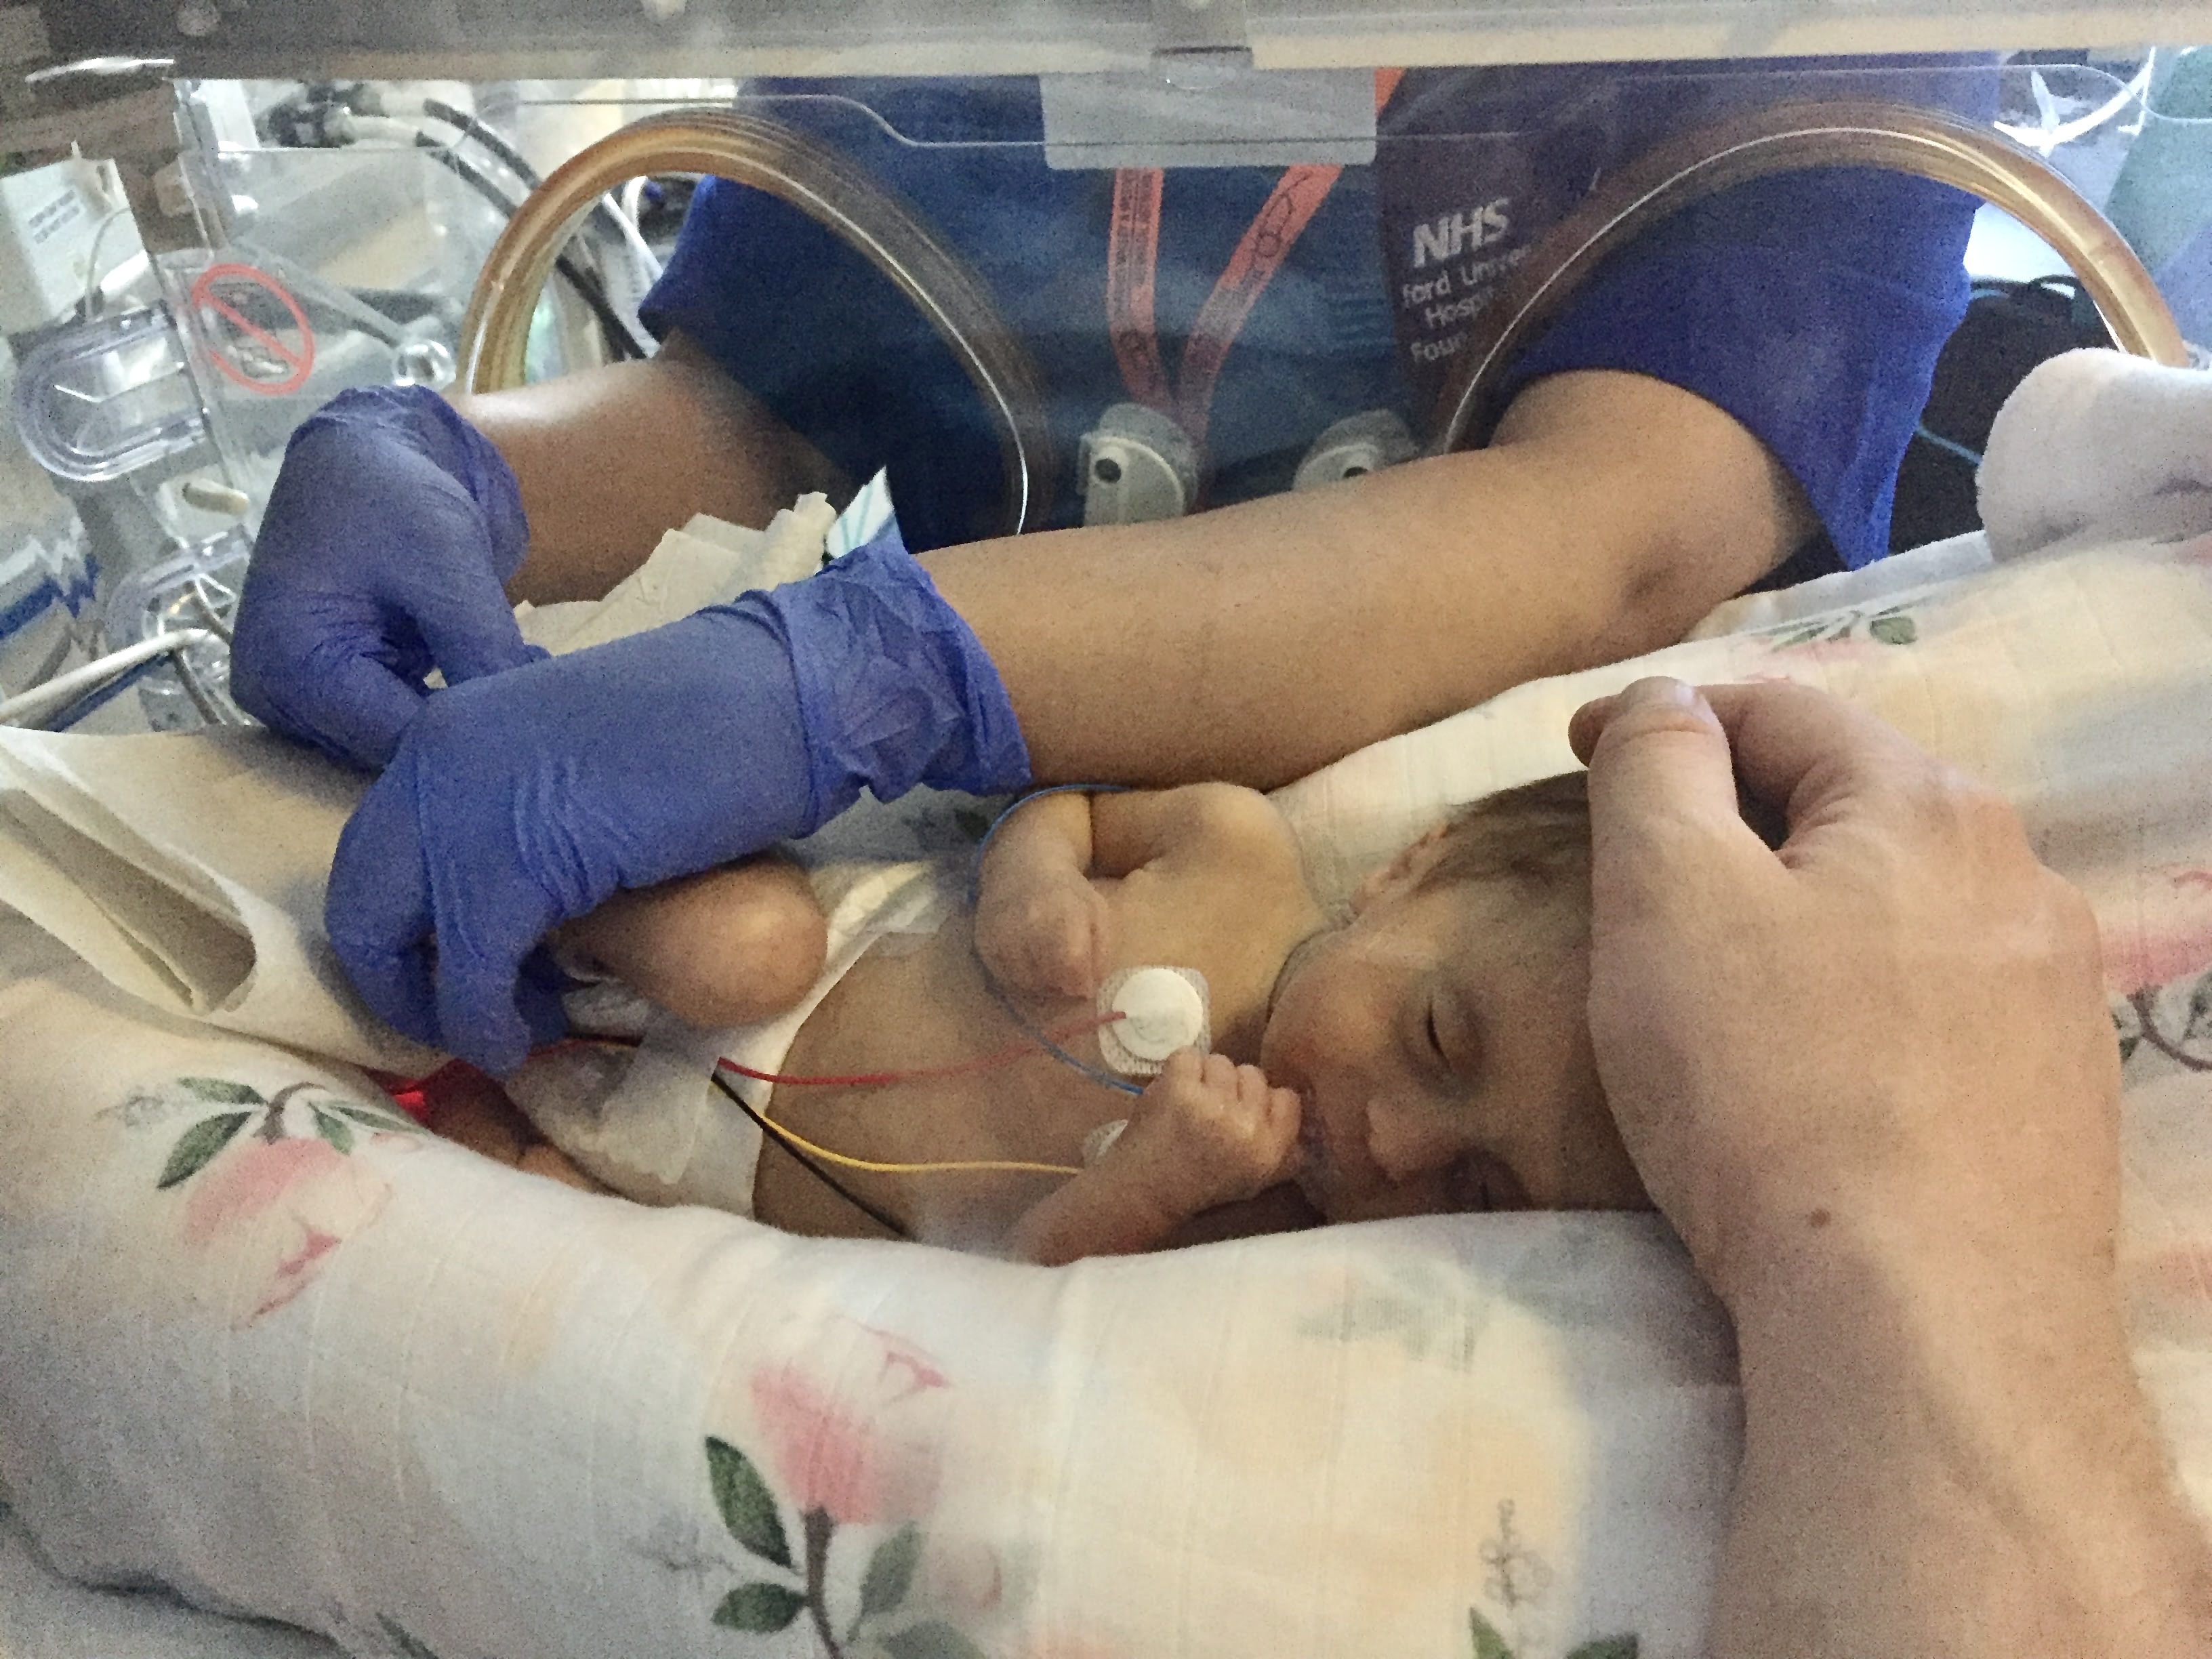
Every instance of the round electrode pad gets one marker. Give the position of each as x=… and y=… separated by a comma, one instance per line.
x=1162, y=1010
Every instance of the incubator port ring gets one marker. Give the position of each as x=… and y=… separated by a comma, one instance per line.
x=1785, y=138
x=767, y=155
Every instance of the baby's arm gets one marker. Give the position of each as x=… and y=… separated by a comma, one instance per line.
x=1042, y=927
x=1207, y=1132
x=730, y=946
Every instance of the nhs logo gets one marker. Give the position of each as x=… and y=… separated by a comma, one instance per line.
x=1450, y=234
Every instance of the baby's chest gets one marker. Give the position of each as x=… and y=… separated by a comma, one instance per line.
x=1230, y=932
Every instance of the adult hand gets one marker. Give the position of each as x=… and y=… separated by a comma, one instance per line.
x=391, y=530
x=1892, y=1025
x=518, y=800
x=1869, y=1076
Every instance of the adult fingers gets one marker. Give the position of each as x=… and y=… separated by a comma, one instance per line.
x=471, y=629
x=306, y=666
x=481, y=992
x=1813, y=757
x=377, y=909
x=1659, y=767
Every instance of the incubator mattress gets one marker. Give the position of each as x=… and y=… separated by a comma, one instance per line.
x=268, y=1347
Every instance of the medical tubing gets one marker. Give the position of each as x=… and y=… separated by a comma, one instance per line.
x=996, y=1060
x=92, y=702
x=65, y=688
x=513, y=159
x=623, y=226
x=767, y=155
x=620, y=340
x=1785, y=138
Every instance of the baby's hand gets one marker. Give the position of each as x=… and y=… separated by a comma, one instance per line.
x=1050, y=936
x=1211, y=1132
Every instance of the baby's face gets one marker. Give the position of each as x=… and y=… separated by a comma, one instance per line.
x=1440, y=1047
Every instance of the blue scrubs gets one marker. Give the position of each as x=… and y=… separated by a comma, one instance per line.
x=1811, y=307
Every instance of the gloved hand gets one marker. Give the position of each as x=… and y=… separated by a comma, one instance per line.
x=392, y=527
x=520, y=800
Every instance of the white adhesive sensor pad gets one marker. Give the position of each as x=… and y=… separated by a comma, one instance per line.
x=1162, y=1010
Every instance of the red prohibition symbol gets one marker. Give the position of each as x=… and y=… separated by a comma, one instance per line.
x=275, y=367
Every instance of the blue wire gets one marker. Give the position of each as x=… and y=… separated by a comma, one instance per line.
x=1097, y=1075
x=92, y=700
x=1948, y=446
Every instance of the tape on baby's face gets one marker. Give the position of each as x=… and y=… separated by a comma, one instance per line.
x=1162, y=1010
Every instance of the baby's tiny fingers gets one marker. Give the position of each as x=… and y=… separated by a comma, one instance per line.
x=1252, y=1088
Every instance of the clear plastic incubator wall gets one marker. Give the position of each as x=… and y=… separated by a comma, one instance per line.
x=216, y=219
x=216, y=215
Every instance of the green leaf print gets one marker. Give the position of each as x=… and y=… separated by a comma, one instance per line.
x=332, y=1129
x=1606, y=1647
x=759, y=1608
x=384, y=1123
x=1894, y=629
x=748, y=1507
x=933, y=1640
x=197, y=1144
x=223, y=1091
x=890, y=1571
x=405, y=1645
x=1488, y=1644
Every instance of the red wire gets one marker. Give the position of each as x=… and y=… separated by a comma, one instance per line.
x=990, y=1062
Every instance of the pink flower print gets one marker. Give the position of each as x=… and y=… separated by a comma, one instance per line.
x=2163, y=933
x=275, y=1186
x=859, y=1444
x=272, y=1211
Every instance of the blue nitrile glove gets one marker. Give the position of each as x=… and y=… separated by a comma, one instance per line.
x=520, y=800
x=392, y=529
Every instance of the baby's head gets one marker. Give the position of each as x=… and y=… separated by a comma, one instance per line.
x=1440, y=1040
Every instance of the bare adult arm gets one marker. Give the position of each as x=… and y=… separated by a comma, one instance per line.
x=1258, y=641
x=1254, y=643
x=1870, y=1078
x=610, y=457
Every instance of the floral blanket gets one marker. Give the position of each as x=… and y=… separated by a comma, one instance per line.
x=265, y=1345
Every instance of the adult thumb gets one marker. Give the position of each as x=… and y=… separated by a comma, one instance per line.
x=1661, y=784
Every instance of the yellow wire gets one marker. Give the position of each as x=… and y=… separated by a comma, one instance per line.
x=1002, y=1164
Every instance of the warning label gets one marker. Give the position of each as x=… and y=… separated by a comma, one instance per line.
x=255, y=332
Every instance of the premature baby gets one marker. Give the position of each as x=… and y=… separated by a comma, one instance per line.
x=1428, y=1052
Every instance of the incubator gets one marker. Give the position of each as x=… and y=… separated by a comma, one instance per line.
x=1050, y=267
